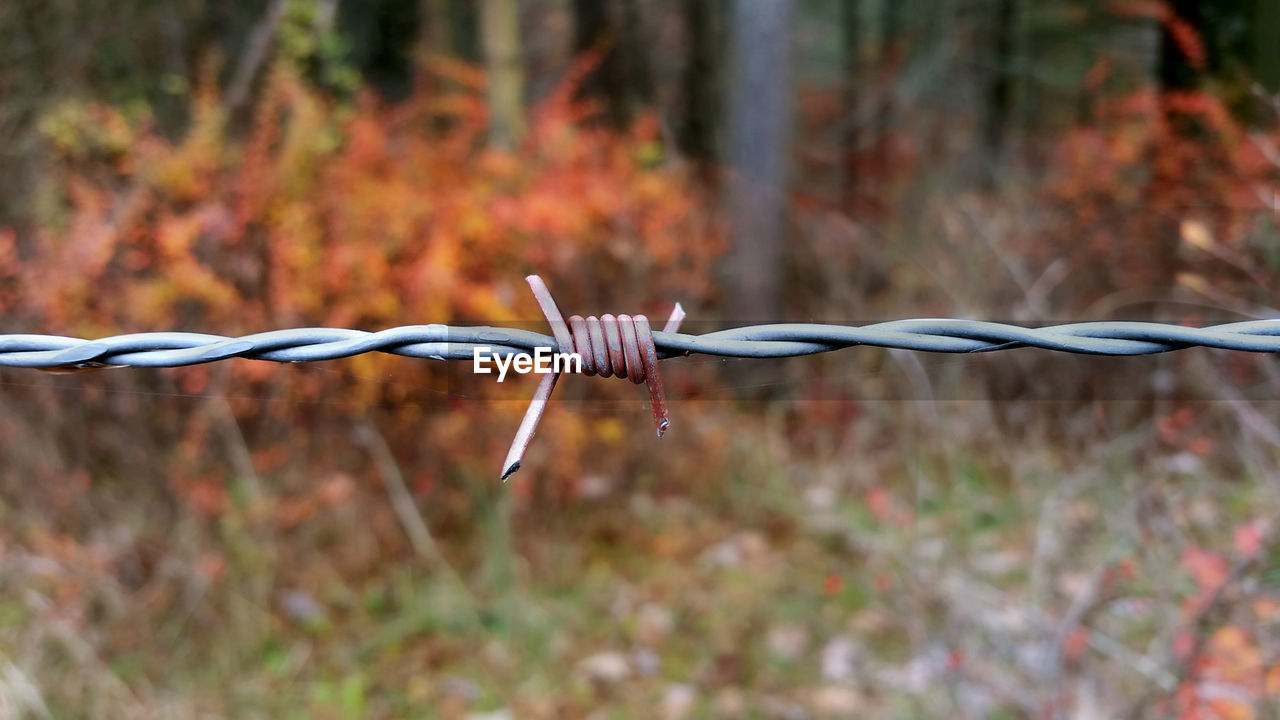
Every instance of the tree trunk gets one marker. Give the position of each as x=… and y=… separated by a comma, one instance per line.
x=759, y=113
x=1177, y=72
x=1264, y=50
x=700, y=81
x=891, y=62
x=254, y=57
x=595, y=29
x=437, y=35
x=998, y=119
x=633, y=45
x=622, y=78
x=851, y=150
x=500, y=31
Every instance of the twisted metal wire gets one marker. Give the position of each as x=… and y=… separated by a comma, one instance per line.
x=441, y=342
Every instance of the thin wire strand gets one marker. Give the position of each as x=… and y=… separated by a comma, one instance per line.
x=441, y=342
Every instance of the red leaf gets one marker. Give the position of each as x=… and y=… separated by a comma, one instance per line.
x=1208, y=569
x=1248, y=538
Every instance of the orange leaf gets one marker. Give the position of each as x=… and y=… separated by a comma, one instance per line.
x=1248, y=539
x=1208, y=569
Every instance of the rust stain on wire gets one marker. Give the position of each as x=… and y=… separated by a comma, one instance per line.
x=609, y=346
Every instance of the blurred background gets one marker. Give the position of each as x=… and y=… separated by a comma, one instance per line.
x=866, y=533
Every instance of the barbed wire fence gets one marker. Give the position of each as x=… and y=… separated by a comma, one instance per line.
x=624, y=346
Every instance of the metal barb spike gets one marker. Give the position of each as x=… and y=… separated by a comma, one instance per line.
x=621, y=346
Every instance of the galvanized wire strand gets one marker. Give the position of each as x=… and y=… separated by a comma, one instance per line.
x=441, y=342
x=622, y=339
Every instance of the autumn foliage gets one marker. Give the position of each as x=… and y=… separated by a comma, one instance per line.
x=829, y=515
x=361, y=216
x=1163, y=185
x=358, y=216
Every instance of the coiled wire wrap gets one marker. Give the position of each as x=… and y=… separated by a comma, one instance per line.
x=622, y=346
x=613, y=346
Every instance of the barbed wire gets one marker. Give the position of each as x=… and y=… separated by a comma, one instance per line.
x=623, y=346
x=443, y=342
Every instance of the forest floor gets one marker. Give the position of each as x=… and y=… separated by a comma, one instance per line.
x=960, y=558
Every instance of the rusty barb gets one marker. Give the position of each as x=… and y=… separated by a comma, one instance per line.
x=609, y=346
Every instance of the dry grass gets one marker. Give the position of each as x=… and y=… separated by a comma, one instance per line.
x=893, y=558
